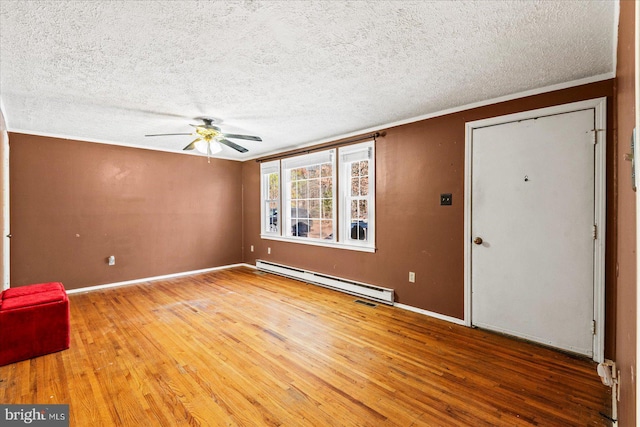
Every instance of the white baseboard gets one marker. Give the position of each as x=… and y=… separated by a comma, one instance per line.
x=149, y=279
x=431, y=314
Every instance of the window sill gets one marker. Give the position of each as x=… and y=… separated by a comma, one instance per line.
x=334, y=245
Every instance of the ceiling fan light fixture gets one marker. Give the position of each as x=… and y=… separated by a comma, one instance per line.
x=215, y=146
x=209, y=139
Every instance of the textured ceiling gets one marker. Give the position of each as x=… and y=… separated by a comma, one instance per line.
x=292, y=72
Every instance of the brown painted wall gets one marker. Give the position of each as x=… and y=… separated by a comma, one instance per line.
x=75, y=203
x=626, y=207
x=415, y=163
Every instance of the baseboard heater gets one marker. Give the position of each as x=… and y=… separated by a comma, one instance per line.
x=376, y=293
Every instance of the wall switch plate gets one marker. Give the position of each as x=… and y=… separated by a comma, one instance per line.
x=268, y=251
x=251, y=248
x=412, y=277
x=112, y=260
x=446, y=199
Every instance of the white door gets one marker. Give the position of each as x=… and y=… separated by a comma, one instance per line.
x=532, y=218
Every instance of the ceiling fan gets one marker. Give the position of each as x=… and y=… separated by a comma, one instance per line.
x=209, y=137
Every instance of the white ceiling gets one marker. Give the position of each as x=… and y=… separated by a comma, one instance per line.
x=292, y=72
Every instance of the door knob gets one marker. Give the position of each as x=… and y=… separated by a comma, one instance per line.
x=477, y=240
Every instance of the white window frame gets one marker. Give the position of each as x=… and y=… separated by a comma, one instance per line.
x=306, y=160
x=347, y=156
x=341, y=159
x=266, y=169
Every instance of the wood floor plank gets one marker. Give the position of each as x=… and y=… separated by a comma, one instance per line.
x=244, y=348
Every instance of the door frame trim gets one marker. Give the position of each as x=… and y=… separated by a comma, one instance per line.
x=600, y=106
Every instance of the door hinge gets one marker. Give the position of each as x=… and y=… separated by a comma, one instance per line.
x=595, y=232
x=595, y=135
x=593, y=327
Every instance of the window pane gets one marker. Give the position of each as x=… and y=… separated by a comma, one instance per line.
x=303, y=209
x=274, y=186
x=355, y=169
x=363, y=210
x=326, y=188
x=314, y=188
x=314, y=171
x=326, y=170
x=359, y=224
x=314, y=209
x=326, y=229
x=272, y=219
x=364, y=168
x=358, y=230
x=327, y=208
x=355, y=187
x=303, y=190
x=314, y=230
x=300, y=187
x=302, y=173
x=364, y=186
x=300, y=227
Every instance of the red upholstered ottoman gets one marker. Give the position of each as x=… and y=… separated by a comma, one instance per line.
x=34, y=320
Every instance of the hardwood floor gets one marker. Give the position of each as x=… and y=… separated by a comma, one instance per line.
x=240, y=347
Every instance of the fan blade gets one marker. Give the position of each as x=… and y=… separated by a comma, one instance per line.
x=232, y=145
x=168, y=134
x=206, y=127
x=247, y=137
x=193, y=144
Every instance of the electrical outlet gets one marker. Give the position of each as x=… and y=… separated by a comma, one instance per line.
x=112, y=260
x=446, y=199
x=251, y=248
x=412, y=277
x=268, y=251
